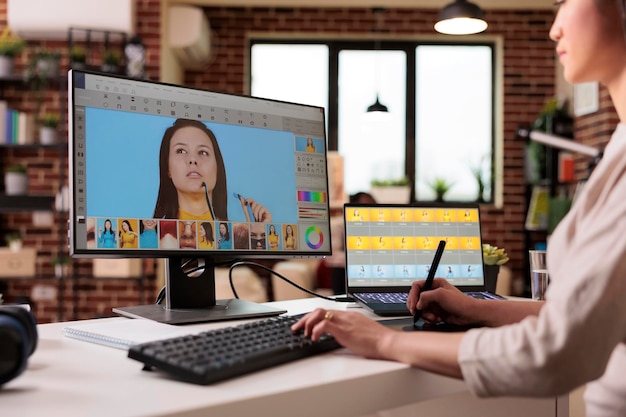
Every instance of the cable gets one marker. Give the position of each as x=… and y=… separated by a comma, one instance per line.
x=270, y=270
x=208, y=200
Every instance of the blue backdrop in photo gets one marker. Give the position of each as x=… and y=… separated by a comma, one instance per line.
x=122, y=163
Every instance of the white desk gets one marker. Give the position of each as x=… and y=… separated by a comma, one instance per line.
x=67, y=377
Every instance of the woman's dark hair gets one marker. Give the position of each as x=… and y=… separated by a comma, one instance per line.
x=208, y=230
x=110, y=231
x=167, y=199
x=130, y=228
x=227, y=234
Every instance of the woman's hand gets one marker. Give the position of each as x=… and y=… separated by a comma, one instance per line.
x=259, y=212
x=353, y=330
x=444, y=302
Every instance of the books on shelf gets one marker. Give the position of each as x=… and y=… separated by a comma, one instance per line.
x=16, y=127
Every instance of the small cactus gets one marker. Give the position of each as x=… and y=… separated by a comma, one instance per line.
x=492, y=255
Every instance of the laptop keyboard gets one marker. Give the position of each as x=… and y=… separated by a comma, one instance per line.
x=384, y=297
x=483, y=295
x=400, y=297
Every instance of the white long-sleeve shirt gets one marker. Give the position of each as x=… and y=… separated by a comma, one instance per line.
x=580, y=334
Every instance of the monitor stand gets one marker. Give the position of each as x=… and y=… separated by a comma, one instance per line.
x=190, y=297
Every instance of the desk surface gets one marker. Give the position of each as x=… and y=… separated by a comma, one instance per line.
x=68, y=377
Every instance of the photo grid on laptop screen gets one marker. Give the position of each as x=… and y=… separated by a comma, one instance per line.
x=392, y=246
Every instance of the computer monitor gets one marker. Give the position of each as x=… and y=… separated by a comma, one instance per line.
x=196, y=177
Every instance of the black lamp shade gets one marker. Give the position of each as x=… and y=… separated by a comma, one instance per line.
x=377, y=107
x=461, y=18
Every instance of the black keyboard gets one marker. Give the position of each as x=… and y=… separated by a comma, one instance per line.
x=484, y=295
x=225, y=353
x=384, y=297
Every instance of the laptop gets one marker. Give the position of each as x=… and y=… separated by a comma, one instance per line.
x=388, y=246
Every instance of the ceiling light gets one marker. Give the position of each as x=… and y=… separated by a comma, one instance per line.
x=461, y=18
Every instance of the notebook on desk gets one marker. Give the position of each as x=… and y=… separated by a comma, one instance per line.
x=388, y=246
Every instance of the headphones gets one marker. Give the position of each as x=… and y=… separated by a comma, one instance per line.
x=18, y=340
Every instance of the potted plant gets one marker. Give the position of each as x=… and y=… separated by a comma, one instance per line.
x=47, y=62
x=14, y=241
x=111, y=59
x=391, y=190
x=44, y=64
x=493, y=258
x=10, y=47
x=440, y=187
x=78, y=57
x=48, y=129
x=61, y=265
x=16, y=180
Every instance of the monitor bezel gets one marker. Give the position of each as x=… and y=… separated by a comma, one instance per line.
x=218, y=255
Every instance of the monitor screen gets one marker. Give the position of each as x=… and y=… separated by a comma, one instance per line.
x=159, y=170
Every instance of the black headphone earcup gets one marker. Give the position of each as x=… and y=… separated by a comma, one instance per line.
x=18, y=340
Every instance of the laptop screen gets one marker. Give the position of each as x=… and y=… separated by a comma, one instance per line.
x=390, y=246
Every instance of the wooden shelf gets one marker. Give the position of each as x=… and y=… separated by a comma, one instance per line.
x=18, y=203
x=61, y=146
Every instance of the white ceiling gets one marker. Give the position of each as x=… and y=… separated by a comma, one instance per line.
x=427, y=4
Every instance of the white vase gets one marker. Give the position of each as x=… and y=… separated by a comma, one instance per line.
x=398, y=194
x=47, y=135
x=15, y=183
x=6, y=65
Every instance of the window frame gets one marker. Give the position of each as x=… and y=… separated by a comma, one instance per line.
x=407, y=45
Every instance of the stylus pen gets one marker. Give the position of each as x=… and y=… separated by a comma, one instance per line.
x=431, y=275
x=248, y=207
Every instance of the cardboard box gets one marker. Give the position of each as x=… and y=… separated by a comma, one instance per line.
x=117, y=268
x=14, y=264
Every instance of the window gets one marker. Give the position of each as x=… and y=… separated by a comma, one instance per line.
x=441, y=122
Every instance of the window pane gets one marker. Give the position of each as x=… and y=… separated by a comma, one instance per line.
x=296, y=73
x=453, y=118
x=372, y=149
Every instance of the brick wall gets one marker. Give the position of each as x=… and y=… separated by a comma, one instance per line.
x=528, y=82
x=84, y=297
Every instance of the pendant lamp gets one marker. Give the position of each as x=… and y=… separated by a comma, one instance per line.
x=377, y=110
x=461, y=18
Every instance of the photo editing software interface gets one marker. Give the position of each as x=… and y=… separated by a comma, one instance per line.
x=161, y=170
x=394, y=246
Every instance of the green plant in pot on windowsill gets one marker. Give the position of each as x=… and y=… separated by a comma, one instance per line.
x=493, y=258
x=391, y=190
x=16, y=180
x=48, y=129
x=440, y=186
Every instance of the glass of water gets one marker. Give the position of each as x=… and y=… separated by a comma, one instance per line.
x=539, y=276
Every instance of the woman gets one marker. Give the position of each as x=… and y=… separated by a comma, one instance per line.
x=107, y=237
x=578, y=334
x=148, y=234
x=193, y=176
x=272, y=237
x=223, y=240
x=206, y=239
x=290, y=239
x=128, y=238
x=310, y=147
